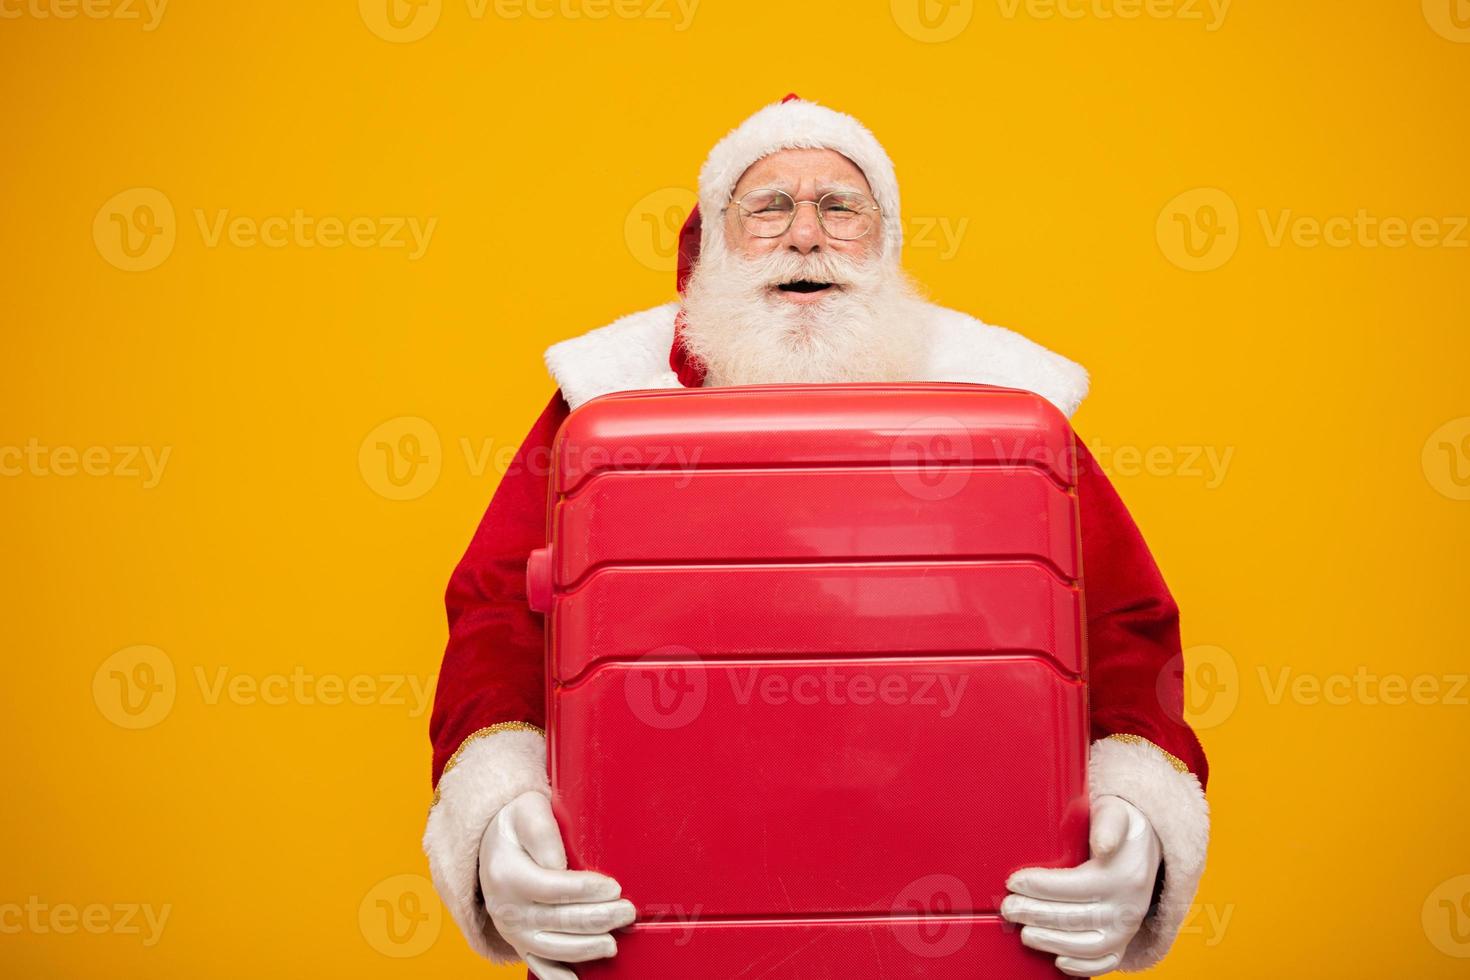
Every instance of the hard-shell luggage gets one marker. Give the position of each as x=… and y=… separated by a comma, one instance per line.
x=816, y=673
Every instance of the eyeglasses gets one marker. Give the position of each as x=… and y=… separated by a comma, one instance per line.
x=769, y=213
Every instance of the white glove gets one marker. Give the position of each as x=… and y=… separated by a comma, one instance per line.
x=549, y=915
x=1088, y=914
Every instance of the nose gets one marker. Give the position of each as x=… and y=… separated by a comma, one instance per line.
x=805, y=234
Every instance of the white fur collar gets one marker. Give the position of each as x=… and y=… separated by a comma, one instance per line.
x=633, y=353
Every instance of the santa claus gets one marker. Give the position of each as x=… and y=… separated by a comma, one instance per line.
x=794, y=275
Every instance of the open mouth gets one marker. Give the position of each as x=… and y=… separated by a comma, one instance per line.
x=804, y=286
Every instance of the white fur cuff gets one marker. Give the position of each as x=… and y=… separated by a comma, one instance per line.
x=488, y=772
x=1175, y=805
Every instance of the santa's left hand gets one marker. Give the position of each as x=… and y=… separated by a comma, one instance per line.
x=1087, y=915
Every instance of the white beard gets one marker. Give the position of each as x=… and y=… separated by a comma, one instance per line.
x=870, y=329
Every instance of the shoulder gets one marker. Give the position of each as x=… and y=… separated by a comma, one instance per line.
x=963, y=348
x=631, y=352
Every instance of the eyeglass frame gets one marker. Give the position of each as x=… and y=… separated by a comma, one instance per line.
x=796, y=204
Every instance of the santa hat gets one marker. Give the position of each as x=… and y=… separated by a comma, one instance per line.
x=791, y=124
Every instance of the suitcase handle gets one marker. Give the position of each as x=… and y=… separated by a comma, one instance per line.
x=538, y=580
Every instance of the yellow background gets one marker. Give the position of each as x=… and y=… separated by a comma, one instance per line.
x=548, y=149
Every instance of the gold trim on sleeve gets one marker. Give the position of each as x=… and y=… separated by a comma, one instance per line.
x=499, y=726
x=1169, y=757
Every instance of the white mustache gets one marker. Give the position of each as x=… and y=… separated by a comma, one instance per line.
x=780, y=268
x=786, y=267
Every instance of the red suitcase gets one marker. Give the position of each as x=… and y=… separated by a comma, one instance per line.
x=816, y=673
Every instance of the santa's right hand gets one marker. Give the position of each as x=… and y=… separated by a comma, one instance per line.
x=549, y=915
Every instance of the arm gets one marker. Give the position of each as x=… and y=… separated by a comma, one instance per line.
x=1136, y=662
x=493, y=670
x=1145, y=759
x=487, y=724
